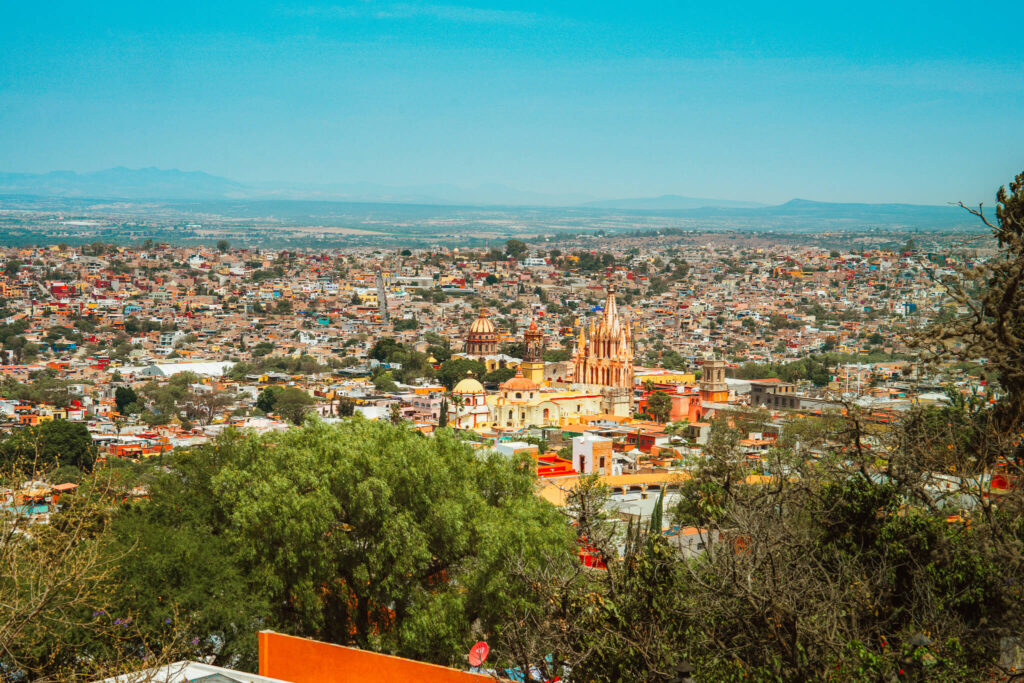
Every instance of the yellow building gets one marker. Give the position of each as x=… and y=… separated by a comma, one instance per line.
x=669, y=377
x=520, y=403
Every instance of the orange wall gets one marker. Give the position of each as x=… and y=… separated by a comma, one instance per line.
x=602, y=449
x=300, y=660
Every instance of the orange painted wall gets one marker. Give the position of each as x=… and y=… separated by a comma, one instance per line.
x=685, y=407
x=301, y=660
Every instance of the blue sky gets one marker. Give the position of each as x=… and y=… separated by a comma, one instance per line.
x=895, y=101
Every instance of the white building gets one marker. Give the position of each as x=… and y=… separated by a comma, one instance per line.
x=468, y=407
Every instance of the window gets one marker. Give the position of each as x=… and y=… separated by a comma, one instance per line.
x=519, y=394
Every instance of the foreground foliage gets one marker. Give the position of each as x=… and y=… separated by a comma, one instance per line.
x=363, y=533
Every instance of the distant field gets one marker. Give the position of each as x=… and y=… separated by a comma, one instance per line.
x=328, y=224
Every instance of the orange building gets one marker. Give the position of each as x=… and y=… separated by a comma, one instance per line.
x=713, y=388
x=300, y=660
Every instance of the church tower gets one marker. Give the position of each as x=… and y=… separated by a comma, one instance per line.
x=532, y=366
x=713, y=388
x=604, y=359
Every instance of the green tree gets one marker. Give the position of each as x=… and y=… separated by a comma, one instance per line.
x=515, y=248
x=384, y=349
x=58, y=620
x=623, y=623
x=223, y=246
x=124, y=397
x=499, y=375
x=57, y=443
x=454, y=370
x=385, y=382
x=267, y=400
x=391, y=541
x=514, y=349
x=556, y=355
x=406, y=324
x=292, y=404
x=659, y=405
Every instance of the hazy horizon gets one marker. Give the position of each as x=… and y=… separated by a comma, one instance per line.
x=872, y=103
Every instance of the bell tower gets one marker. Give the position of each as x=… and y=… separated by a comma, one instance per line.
x=713, y=388
x=532, y=366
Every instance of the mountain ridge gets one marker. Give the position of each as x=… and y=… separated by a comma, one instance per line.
x=670, y=201
x=155, y=184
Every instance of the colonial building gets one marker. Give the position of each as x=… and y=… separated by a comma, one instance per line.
x=468, y=407
x=603, y=359
x=545, y=409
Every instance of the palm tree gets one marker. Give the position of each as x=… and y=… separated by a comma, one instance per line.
x=458, y=402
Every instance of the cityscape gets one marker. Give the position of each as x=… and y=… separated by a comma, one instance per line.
x=382, y=341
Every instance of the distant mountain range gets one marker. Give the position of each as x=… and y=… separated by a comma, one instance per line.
x=172, y=184
x=153, y=184
x=122, y=183
x=670, y=202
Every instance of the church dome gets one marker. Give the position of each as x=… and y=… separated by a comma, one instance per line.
x=482, y=325
x=468, y=386
x=519, y=383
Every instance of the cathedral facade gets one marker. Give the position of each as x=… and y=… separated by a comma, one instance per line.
x=603, y=359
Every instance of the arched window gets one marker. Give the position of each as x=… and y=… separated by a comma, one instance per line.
x=519, y=394
x=510, y=414
x=546, y=411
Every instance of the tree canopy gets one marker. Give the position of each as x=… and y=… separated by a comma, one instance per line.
x=454, y=370
x=57, y=443
x=361, y=533
x=659, y=405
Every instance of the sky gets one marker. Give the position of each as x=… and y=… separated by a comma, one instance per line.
x=865, y=101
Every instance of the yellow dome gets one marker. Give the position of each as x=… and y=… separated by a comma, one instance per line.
x=468, y=386
x=482, y=326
